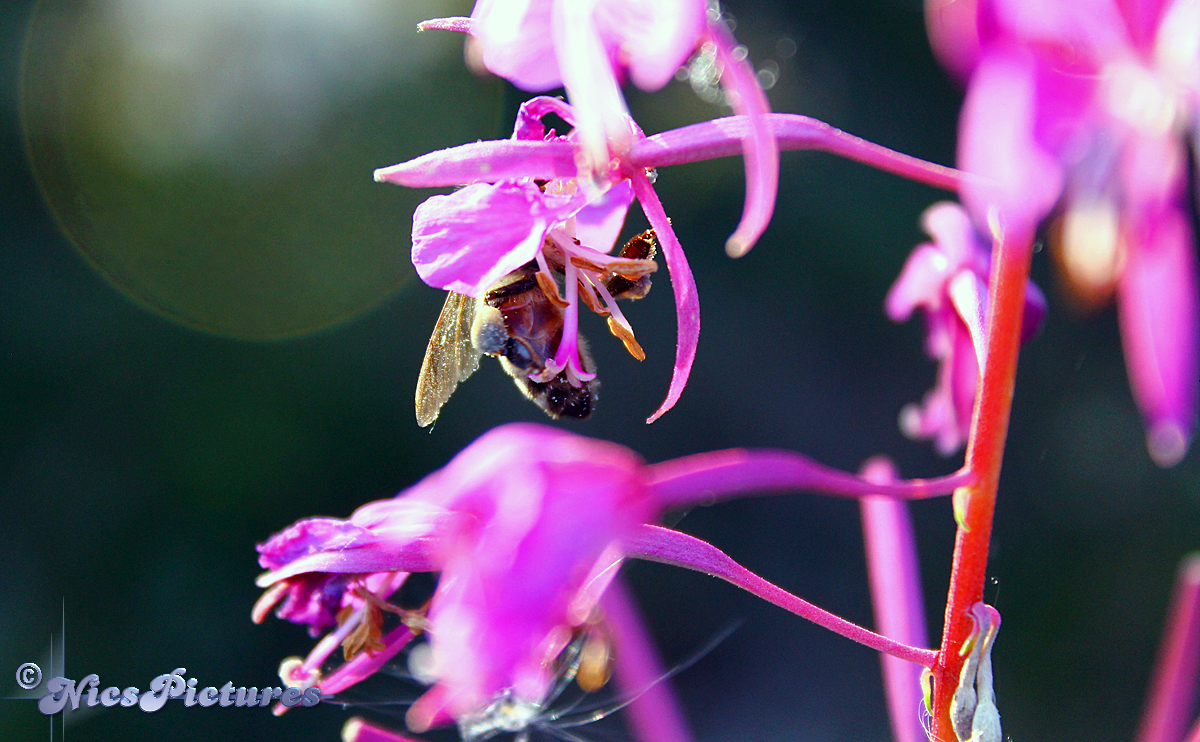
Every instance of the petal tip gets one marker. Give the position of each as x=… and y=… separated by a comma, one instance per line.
x=1167, y=443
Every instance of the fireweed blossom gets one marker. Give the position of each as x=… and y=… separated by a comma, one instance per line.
x=947, y=281
x=1093, y=105
x=590, y=47
x=527, y=527
x=522, y=198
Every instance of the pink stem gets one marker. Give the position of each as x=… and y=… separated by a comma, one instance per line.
x=896, y=593
x=672, y=547
x=724, y=137
x=759, y=145
x=1173, y=688
x=454, y=23
x=654, y=714
x=722, y=474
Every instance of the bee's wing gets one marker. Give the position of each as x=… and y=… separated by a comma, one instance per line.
x=449, y=359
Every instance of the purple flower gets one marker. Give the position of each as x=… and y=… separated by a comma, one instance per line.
x=590, y=47
x=523, y=197
x=1092, y=104
x=527, y=527
x=947, y=280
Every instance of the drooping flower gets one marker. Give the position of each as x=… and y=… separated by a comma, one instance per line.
x=947, y=280
x=527, y=527
x=590, y=47
x=523, y=198
x=1092, y=104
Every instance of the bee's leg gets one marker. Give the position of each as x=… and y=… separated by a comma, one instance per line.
x=489, y=334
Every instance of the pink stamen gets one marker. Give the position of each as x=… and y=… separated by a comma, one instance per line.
x=1173, y=688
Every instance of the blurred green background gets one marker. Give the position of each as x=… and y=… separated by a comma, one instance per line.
x=214, y=331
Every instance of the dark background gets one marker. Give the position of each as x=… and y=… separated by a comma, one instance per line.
x=142, y=458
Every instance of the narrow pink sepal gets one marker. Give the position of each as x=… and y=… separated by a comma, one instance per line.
x=1172, y=696
x=1160, y=330
x=468, y=240
x=672, y=547
x=654, y=713
x=759, y=146
x=687, y=300
x=454, y=23
x=484, y=162
x=704, y=477
x=724, y=137
x=895, y=581
x=360, y=730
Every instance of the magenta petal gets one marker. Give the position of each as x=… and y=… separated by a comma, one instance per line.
x=652, y=37
x=468, y=240
x=598, y=224
x=1159, y=327
x=1172, y=696
x=516, y=42
x=487, y=162
x=687, y=301
x=954, y=34
x=591, y=83
x=1020, y=181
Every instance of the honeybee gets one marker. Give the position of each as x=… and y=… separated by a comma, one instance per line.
x=520, y=321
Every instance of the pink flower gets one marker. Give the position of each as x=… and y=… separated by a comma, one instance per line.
x=591, y=46
x=947, y=281
x=527, y=526
x=1093, y=103
x=523, y=196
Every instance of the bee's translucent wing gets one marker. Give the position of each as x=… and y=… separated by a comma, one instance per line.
x=449, y=359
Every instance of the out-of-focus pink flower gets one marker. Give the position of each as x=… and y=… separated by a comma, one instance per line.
x=1092, y=103
x=527, y=526
x=947, y=280
x=590, y=47
x=523, y=195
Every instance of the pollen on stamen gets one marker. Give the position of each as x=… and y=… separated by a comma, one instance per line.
x=625, y=334
x=550, y=289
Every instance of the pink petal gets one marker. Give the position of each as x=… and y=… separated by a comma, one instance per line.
x=487, y=162
x=516, y=42
x=1020, y=181
x=920, y=283
x=1087, y=26
x=761, y=149
x=954, y=34
x=468, y=240
x=598, y=224
x=1142, y=18
x=1172, y=696
x=687, y=301
x=652, y=38
x=1159, y=327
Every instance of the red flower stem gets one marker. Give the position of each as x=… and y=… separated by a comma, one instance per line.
x=975, y=503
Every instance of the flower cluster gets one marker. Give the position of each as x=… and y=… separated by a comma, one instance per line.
x=1092, y=105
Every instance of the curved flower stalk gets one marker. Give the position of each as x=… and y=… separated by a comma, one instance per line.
x=527, y=527
x=1093, y=105
x=590, y=47
x=523, y=198
x=947, y=281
